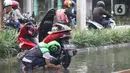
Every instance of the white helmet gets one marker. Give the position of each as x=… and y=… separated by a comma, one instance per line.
x=7, y=3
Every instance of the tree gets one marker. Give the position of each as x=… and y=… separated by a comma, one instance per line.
x=0, y=13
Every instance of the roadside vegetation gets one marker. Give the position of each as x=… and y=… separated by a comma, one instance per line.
x=122, y=20
x=85, y=38
x=93, y=38
x=8, y=43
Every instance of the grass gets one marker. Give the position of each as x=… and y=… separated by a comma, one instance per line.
x=122, y=20
x=85, y=38
x=8, y=42
x=93, y=38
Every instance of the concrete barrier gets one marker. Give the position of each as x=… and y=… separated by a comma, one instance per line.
x=123, y=71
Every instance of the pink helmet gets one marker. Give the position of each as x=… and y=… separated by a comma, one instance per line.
x=15, y=4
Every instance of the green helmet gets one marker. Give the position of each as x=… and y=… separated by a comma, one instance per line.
x=54, y=46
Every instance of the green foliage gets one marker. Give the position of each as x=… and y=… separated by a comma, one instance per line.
x=8, y=42
x=92, y=38
x=122, y=20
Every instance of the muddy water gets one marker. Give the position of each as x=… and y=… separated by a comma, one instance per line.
x=101, y=61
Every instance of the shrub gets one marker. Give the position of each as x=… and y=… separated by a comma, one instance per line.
x=92, y=38
x=8, y=42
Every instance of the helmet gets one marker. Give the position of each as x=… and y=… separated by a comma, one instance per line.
x=15, y=4
x=7, y=3
x=100, y=4
x=73, y=3
x=67, y=3
x=54, y=46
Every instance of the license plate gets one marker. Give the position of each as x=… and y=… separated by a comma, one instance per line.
x=69, y=47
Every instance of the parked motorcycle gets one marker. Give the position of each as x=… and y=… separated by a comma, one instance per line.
x=49, y=32
x=94, y=25
x=60, y=33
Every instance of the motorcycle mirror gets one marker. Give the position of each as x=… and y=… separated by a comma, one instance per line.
x=112, y=12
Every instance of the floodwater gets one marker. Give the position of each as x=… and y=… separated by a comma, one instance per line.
x=99, y=61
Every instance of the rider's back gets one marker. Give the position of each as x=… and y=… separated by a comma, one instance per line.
x=61, y=16
x=97, y=13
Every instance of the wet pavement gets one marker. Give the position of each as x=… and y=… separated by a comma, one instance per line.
x=98, y=61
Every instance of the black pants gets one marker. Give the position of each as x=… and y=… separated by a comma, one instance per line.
x=105, y=23
x=40, y=62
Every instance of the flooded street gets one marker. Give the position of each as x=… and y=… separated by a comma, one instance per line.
x=101, y=61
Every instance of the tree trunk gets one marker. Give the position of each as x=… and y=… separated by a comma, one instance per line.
x=0, y=13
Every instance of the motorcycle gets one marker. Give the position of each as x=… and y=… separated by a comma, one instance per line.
x=60, y=33
x=49, y=32
x=94, y=25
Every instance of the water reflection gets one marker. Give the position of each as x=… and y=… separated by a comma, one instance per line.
x=103, y=61
x=100, y=61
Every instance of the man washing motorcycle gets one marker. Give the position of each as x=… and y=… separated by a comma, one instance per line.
x=42, y=55
x=98, y=13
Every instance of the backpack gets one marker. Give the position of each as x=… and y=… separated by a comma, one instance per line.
x=61, y=16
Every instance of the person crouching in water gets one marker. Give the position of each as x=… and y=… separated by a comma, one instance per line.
x=10, y=18
x=41, y=56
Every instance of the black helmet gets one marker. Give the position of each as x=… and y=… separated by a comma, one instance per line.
x=73, y=3
x=100, y=4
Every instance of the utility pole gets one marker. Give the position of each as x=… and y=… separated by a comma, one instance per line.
x=0, y=13
x=35, y=7
x=52, y=3
x=112, y=6
x=29, y=5
x=89, y=8
x=81, y=14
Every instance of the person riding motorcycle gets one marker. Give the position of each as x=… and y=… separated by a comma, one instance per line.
x=66, y=14
x=41, y=55
x=73, y=5
x=10, y=18
x=98, y=13
x=69, y=6
x=17, y=10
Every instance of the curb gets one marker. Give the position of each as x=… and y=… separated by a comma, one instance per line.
x=123, y=71
x=99, y=48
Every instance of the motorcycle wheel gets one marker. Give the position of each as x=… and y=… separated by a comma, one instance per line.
x=20, y=66
x=66, y=60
